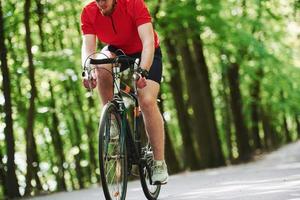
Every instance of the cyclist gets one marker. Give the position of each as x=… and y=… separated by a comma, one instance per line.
x=125, y=26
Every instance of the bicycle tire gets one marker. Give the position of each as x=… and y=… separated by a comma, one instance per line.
x=112, y=155
x=151, y=191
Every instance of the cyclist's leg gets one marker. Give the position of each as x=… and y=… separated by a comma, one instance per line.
x=104, y=79
x=155, y=129
x=152, y=117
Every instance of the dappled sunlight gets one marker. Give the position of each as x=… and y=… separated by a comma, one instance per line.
x=227, y=77
x=268, y=178
x=240, y=189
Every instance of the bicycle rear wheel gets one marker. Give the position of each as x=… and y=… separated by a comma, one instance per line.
x=151, y=191
x=112, y=154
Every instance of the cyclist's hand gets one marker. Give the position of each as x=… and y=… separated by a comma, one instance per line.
x=141, y=82
x=142, y=78
x=89, y=84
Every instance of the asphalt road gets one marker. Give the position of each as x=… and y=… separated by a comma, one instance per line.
x=274, y=176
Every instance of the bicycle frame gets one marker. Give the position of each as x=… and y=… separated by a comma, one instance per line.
x=133, y=138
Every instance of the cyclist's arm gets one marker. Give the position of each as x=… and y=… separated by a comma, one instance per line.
x=88, y=46
x=147, y=37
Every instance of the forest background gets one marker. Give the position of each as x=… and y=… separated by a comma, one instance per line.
x=230, y=88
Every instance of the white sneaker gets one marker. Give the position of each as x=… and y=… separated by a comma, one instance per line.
x=160, y=174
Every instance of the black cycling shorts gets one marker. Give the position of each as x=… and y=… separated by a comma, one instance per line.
x=155, y=72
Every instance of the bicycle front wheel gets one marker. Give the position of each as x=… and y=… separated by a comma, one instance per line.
x=112, y=154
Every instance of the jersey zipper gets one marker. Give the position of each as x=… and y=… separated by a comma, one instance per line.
x=113, y=24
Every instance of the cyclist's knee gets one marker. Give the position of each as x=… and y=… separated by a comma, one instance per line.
x=147, y=102
x=102, y=74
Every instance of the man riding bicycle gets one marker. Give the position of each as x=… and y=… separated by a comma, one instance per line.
x=125, y=26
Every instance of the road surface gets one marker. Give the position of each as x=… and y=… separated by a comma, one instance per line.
x=274, y=176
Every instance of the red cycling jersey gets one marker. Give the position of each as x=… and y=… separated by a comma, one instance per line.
x=119, y=29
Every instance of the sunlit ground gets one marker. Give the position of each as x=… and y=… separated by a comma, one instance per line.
x=274, y=177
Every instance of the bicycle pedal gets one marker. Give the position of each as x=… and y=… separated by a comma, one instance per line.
x=160, y=183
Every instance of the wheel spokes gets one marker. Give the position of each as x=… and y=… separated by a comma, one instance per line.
x=113, y=163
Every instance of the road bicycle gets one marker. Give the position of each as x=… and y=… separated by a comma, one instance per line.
x=120, y=150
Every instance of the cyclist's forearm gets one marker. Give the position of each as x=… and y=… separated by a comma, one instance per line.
x=88, y=47
x=147, y=37
x=85, y=52
x=147, y=55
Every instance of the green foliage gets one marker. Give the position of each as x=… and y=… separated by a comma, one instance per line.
x=261, y=36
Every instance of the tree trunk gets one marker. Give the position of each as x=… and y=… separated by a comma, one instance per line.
x=227, y=118
x=50, y=153
x=171, y=159
x=200, y=120
x=90, y=132
x=255, y=96
x=77, y=168
x=78, y=157
x=286, y=131
x=203, y=75
x=271, y=139
x=11, y=187
x=2, y=176
x=40, y=13
x=75, y=136
x=297, y=125
x=267, y=130
x=242, y=137
x=31, y=151
x=89, y=128
x=190, y=155
x=57, y=143
x=288, y=138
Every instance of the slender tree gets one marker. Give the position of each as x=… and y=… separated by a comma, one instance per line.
x=242, y=137
x=255, y=88
x=90, y=130
x=11, y=182
x=267, y=131
x=88, y=127
x=286, y=131
x=31, y=151
x=78, y=156
x=297, y=125
x=271, y=141
x=171, y=158
x=190, y=156
x=40, y=14
x=75, y=137
x=200, y=123
x=49, y=153
x=226, y=114
x=57, y=142
x=2, y=175
x=203, y=75
x=255, y=115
